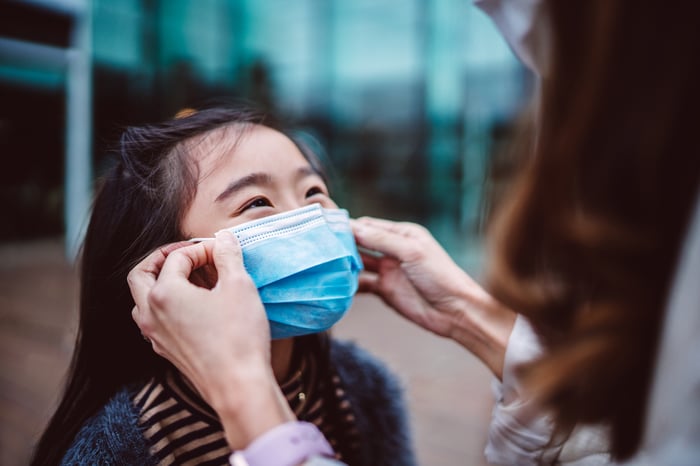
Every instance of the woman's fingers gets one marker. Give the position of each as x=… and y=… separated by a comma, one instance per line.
x=168, y=248
x=394, y=239
x=228, y=257
x=139, y=318
x=180, y=263
x=151, y=280
x=368, y=282
x=389, y=225
x=142, y=277
x=370, y=263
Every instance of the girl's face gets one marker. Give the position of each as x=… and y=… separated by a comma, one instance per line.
x=262, y=174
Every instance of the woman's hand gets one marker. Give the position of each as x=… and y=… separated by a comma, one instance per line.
x=416, y=277
x=219, y=337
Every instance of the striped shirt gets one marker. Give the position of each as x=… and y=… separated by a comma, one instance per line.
x=182, y=429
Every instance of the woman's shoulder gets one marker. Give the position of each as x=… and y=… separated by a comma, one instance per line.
x=111, y=436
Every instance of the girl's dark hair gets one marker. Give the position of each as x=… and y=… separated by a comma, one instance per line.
x=587, y=243
x=139, y=207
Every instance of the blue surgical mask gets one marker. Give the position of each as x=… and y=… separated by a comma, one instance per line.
x=305, y=265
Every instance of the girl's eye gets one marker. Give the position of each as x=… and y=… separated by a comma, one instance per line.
x=257, y=202
x=315, y=190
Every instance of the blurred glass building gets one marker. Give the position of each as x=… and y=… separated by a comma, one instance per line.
x=410, y=98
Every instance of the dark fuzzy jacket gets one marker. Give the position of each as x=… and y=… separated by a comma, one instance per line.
x=112, y=436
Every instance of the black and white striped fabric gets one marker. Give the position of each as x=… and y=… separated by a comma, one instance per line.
x=181, y=429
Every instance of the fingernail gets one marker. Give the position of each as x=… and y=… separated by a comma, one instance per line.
x=224, y=235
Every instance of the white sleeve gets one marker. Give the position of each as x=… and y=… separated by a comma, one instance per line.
x=516, y=434
x=519, y=432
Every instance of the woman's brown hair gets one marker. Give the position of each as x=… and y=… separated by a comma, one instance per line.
x=586, y=243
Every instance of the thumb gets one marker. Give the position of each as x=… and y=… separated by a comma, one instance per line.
x=228, y=257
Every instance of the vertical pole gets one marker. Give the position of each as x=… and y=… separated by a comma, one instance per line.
x=443, y=88
x=78, y=164
x=325, y=56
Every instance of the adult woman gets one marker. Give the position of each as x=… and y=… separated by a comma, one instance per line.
x=586, y=243
x=190, y=177
x=587, y=240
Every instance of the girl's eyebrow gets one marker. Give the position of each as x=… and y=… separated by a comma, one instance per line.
x=254, y=179
x=303, y=172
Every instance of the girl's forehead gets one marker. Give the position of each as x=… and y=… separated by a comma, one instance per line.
x=246, y=147
x=226, y=140
x=217, y=141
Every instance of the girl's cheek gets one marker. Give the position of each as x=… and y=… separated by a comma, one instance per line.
x=329, y=203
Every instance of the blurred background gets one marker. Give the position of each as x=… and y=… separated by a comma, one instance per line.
x=412, y=100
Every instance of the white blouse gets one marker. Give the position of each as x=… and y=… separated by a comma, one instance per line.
x=519, y=433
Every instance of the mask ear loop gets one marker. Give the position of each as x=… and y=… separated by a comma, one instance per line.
x=369, y=252
x=272, y=218
x=206, y=238
x=199, y=240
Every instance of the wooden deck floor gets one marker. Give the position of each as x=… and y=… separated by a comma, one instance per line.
x=38, y=296
x=447, y=389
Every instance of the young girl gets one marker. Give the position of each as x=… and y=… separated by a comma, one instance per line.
x=191, y=177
